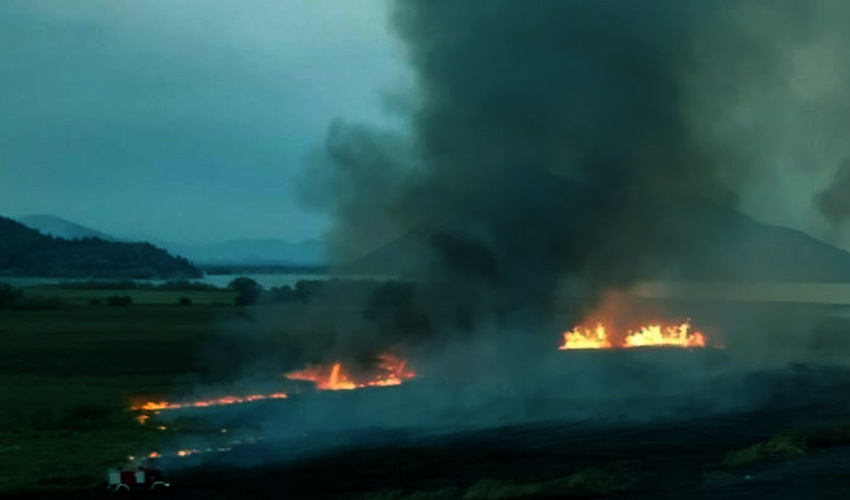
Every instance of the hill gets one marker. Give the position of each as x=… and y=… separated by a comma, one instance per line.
x=683, y=239
x=266, y=251
x=727, y=245
x=247, y=251
x=52, y=225
x=27, y=252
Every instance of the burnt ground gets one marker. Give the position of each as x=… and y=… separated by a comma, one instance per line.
x=677, y=453
x=670, y=457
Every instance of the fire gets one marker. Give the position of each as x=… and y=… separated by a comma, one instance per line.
x=586, y=338
x=154, y=406
x=391, y=370
x=679, y=335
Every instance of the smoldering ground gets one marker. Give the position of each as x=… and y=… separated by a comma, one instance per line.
x=500, y=378
x=549, y=141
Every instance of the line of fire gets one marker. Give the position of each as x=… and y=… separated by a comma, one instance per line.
x=390, y=369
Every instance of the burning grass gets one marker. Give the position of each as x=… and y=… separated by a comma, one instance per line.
x=602, y=337
x=156, y=406
x=390, y=370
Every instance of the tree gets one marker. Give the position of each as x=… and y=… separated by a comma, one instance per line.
x=248, y=291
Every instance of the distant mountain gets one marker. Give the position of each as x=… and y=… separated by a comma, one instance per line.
x=27, y=252
x=256, y=252
x=62, y=228
x=250, y=251
x=686, y=239
x=725, y=244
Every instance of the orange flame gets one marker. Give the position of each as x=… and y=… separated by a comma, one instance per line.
x=679, y=335
x=391, y=370
x=586, y=338
x=153, y=406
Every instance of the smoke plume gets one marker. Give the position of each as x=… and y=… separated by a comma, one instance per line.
x=553, y=139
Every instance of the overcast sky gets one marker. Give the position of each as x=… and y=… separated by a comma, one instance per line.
x=186, y=121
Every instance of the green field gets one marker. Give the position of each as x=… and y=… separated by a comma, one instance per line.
x=82, y=296
x=67, y=375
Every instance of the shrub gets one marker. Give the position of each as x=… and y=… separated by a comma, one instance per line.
x=185, y=301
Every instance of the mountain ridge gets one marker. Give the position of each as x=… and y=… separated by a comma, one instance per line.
x=60, y=227
x=28, y=252
x=240, y=251
x=682, y=238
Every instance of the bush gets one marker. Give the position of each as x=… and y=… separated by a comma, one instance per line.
x=119, y=300
x=185, y=301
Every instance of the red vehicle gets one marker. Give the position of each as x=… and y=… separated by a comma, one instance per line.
x=141, y=478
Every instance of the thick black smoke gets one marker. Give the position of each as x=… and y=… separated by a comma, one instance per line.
x=553, y=139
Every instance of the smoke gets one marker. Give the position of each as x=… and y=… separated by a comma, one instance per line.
x=548, y=141
x=834, y=200
x=554, y=139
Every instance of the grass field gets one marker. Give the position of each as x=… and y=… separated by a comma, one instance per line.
x=81, y=296
x=66, y=376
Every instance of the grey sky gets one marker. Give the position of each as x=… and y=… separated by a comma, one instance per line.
x=190, y=121
x=182, y=120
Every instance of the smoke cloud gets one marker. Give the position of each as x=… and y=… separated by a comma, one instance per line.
x=550, y=139
x=594, y=142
